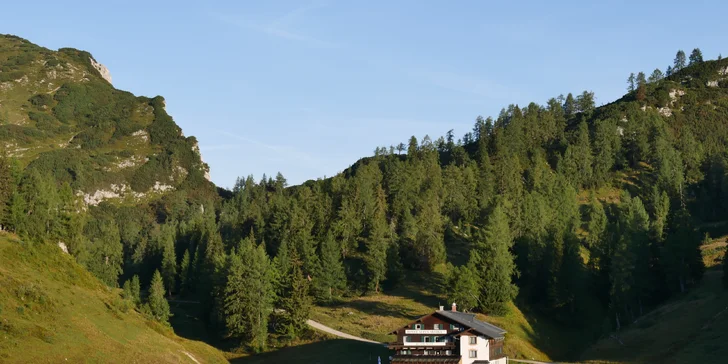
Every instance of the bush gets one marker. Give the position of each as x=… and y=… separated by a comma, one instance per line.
x=41, y=100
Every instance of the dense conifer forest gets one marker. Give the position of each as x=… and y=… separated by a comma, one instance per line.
x=592, y=215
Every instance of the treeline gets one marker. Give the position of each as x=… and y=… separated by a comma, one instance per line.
x=583, y=212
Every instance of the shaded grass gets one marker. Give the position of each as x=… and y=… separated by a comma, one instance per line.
x=692, y=328
x=334, y=351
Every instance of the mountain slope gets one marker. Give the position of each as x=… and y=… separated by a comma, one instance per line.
x=59, y=115
x=52, y=310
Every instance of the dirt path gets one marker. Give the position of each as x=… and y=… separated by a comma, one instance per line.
x=319, y=326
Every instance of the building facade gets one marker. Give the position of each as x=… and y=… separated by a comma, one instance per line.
x=448, y=337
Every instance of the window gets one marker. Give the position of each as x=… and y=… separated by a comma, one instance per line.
x=448, y=352
x=473, y=354
x=454, y=327
x=418, y=326
x=424, y=352
x=439, y=326
x=407, y=339
x=473, y=340
x=425, y=339
x=439, y=339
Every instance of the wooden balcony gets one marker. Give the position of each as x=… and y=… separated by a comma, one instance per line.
x=423, y=346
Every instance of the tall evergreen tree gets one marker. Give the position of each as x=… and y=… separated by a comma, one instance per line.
x=696, y=56
x=331, y=279
x=249, y=295
x=184, y=271
x=681, y=255
x=463, y=286
x=679, y=62
x=157, y=305
x=169, y=265
x=631, y=82
x=656, y=76
x=495, y=264
x=294, y=300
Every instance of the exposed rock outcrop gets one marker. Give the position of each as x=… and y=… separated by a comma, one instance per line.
x=102, y=70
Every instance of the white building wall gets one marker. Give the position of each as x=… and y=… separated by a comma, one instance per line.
x=502, y=360
x=482, y=346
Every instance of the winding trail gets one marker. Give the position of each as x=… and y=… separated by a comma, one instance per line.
x=324, y=328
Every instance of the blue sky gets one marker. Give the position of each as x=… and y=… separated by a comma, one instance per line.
x=308, y=87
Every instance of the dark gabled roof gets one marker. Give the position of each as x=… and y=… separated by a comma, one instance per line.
x=469, y=320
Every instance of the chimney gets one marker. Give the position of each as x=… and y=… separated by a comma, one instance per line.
x=454, y=307
x=442, y=308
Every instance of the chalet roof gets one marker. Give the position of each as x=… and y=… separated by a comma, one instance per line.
x=469, y=320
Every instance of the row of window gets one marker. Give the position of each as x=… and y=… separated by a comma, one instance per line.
x=438, y=339
x=434, y=327
x=426, y=352
x=427, y=339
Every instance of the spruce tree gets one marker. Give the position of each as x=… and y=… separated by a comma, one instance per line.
x=631, y=82
x=135, y=288
x=169, y=265
x=495, y=264
x=294, y=301
x=331, y=279
x=463, y=286
x=248, y=294
x=696, y=56
x=656, y=76
x=679, y=62
x=184, y=271
x=156, y=303
x=596, y=223
x=681, y=256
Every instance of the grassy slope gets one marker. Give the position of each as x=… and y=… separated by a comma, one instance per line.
x=692, y=328
x=52, y=310
x=373, y=317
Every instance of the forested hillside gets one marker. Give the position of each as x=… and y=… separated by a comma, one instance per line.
x=590, y=215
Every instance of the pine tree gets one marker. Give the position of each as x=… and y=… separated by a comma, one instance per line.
x=569, y=106
x=696, y=56
x=331, y=278
x=682, y=258
x=631, y=82
x=105, y=254
x=462, y=286
x=668, y=71
x=656, y=76
x=596, y=223
x=157, y=305
x=679, y=62
x=184, y=271
x=248, y=294
x=136, y=288
x=294, y=300
x=495, y=264
x=169, y=265
x=641, y=79
x=132, y=290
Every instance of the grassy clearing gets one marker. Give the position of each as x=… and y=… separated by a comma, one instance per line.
x=374, y=317
x=52, y=310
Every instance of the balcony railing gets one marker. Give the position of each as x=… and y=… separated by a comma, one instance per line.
x=425, y=332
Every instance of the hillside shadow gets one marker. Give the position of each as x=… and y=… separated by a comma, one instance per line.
x=186, y=323
x=336, y=351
